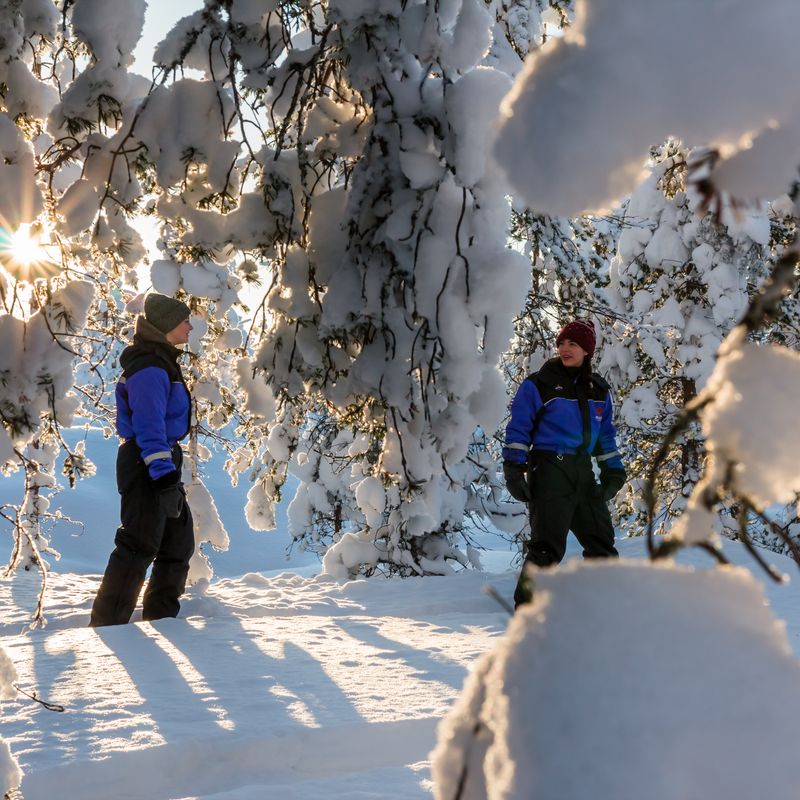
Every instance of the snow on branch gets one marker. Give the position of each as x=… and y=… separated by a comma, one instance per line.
x=624, y=77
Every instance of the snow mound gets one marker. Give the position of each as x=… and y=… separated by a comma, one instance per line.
x=629, y=680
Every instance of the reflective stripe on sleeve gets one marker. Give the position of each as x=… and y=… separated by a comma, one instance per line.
x=517, y=446
x=606, y=456
x=153, y=456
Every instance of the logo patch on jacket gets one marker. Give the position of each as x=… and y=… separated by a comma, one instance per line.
x=598, y=412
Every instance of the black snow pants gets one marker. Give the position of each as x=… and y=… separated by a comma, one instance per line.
x=145, y=536
x=564, y=497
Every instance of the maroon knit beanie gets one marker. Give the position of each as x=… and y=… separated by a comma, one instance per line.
x=580, y=331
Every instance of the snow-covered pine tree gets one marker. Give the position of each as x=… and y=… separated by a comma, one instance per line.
x=519, y=28
x=356, y=144
x=680, y=281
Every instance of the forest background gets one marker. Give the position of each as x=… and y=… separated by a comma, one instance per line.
x=355, y=271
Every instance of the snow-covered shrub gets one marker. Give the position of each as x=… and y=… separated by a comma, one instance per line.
x=594, y=692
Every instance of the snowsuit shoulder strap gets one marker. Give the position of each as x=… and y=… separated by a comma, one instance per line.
x=534, y=379
x=600, y=381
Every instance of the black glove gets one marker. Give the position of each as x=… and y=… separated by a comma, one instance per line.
x=516, y=481
x=612, y=479
x=169, y=494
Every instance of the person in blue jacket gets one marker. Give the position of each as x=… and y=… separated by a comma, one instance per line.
x=561, y=417
x=153, y=415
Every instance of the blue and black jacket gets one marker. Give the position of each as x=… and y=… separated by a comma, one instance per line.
x=553, y=411
x=153, y=402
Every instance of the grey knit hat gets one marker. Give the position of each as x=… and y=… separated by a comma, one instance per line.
x=165, y=313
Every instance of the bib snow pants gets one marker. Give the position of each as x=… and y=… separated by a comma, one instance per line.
x=565, y=496
x=145, y=536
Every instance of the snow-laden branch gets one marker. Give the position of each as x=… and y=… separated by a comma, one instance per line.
x=589, y=106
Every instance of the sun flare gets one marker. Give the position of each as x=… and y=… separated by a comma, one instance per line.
x=24, y=247
x=24, y=254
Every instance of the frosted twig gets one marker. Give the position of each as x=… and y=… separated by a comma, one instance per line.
x=49, y=706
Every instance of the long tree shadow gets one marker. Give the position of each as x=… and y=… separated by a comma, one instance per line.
x=34, y=729
x=71, y=668
x=136, y=686
x=49, y=661
x=167, y=697
x=427, y=667
x=257, y=688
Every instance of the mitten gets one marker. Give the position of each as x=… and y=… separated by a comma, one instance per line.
x=169, y=494
x=516, y=481
x=612, y=479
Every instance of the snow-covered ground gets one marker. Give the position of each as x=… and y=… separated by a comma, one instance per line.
x=283, y=687
x=279, y=686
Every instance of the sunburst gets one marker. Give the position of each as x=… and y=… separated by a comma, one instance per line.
x=24, y=254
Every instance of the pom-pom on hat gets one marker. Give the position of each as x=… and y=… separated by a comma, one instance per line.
x=165, y=313
x=580, y=331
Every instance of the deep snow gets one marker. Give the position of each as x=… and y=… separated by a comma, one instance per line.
x=263, y=688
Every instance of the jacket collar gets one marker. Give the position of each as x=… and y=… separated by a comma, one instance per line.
x=554, y=372
x=147, y=334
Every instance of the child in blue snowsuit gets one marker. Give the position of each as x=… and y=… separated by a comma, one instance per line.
x=561, y=417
